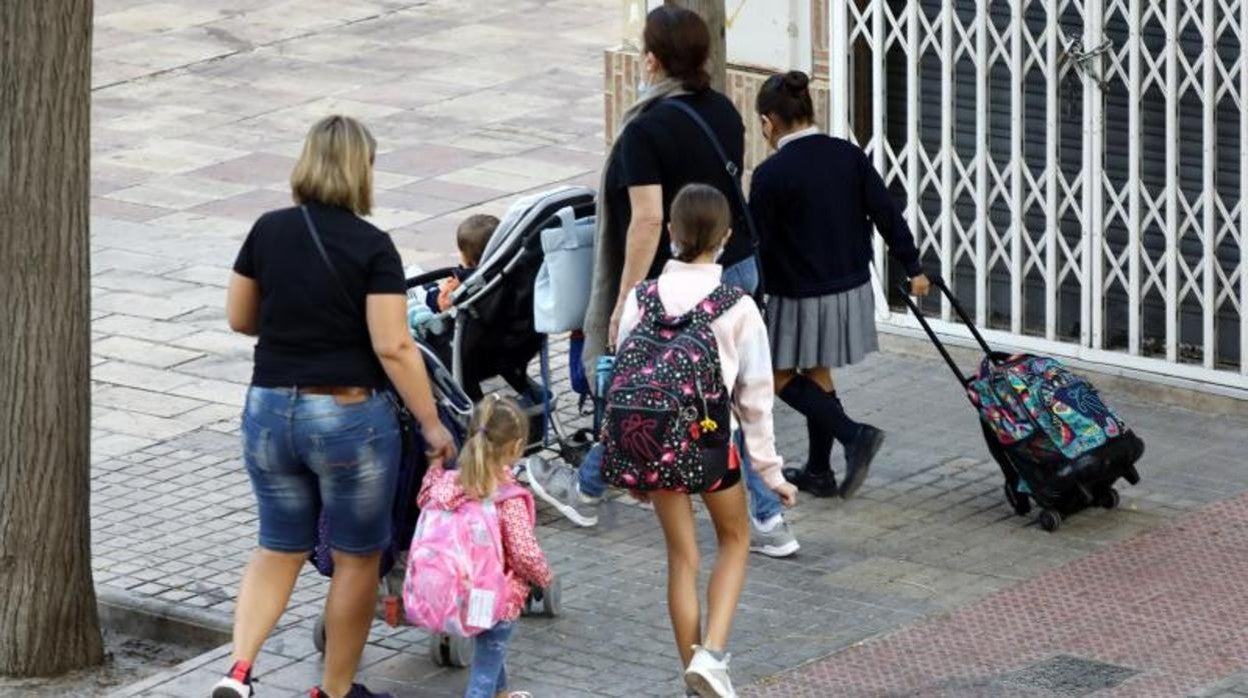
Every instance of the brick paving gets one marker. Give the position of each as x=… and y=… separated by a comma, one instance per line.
x=1162, y=614
x=199, y=110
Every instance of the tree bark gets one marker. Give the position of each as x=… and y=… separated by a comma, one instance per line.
x=48, y=619
x=713, y=12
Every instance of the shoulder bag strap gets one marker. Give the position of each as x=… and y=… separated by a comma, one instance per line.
x=333, y=271
x=733, y=170
x=734, y=175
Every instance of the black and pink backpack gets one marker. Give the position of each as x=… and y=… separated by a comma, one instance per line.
x=668, y=413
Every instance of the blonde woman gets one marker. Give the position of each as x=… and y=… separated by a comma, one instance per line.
x=319, y=426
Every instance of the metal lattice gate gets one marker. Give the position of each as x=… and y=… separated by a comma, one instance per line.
x=1074, y=168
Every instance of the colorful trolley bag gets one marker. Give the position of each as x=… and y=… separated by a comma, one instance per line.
x=1056, y=440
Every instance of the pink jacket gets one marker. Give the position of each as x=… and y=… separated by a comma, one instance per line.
x=523, y=558
x=744, y=357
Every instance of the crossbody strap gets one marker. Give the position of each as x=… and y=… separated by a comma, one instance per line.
x=333, y=270
x=733, y=170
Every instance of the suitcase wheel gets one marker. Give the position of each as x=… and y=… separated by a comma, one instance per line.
x=1050, y=520
x=1108, y=499
x=1019, y=501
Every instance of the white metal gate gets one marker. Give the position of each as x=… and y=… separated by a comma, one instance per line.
x=1072, y=167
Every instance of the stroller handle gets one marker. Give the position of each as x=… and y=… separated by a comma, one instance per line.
x=429, y=277
x=940, y=284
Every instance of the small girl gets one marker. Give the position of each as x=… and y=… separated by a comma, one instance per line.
x=499, y=431
x=700, y=219
x=815, y=201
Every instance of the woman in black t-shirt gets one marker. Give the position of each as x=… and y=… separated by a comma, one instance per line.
x=319, y=428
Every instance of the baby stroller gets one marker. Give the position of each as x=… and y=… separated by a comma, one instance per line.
x=1056, y=441
x=488, y=332
x=454, y=408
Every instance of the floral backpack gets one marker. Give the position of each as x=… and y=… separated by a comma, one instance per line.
x=1036, y=405
x=668, y=412
x=456, y=578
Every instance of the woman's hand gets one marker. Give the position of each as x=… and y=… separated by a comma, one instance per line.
x=613, y=328
x=787, y=492
x=439, y=444
x=920, y=285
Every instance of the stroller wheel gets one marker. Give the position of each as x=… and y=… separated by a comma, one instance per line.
x=552, y=598
x=1050, y=520
x=1019, y=501
x=451, y=650
x=1109, y=498
x=318, y=634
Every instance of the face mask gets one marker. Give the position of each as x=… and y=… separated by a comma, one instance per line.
x=643, y=88
x=719, y=253
x=675, y=250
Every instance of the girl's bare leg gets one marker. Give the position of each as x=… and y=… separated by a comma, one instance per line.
x=675, y=511
x=822, y=377
x=782, y=377
x=732, y=530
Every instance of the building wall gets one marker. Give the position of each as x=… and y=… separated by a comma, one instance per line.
x=750, y=60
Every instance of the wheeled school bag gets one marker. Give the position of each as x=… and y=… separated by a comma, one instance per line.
x=1056, y=440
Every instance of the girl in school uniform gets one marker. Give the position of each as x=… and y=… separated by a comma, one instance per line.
x=815, y=202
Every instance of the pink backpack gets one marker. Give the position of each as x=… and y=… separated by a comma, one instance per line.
x=456, y=580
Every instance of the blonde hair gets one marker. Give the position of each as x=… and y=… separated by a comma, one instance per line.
x=498, y=425
x=336, y=165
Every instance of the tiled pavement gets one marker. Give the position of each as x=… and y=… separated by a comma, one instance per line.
x=199, y=109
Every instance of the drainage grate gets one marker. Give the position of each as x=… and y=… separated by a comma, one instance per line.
x=1069, y=676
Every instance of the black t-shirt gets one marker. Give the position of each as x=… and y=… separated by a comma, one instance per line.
x=664, y=146
x=309, y=335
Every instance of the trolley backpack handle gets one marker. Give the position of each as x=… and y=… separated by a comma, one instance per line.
x=931, y=334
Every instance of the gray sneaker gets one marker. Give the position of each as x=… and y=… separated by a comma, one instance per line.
x=559, y=486
x=778, y=542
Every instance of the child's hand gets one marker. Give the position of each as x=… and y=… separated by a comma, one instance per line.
x=920, y=285
x=439, y=445
x=787, y=492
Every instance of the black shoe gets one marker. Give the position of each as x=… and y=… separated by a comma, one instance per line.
x=858, y=456
x=817, y=484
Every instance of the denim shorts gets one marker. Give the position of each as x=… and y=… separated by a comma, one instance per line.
x=308, y=453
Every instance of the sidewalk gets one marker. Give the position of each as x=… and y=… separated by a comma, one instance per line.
x=199, y=110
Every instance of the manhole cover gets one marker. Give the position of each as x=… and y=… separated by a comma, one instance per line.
x=1069, y=676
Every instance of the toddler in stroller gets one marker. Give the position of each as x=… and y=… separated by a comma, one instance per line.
x=488, y=331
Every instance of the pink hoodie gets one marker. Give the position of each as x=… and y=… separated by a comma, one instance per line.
x=744, y=356
x=523, y=559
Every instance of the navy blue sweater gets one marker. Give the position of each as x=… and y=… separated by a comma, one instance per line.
x=814, y=202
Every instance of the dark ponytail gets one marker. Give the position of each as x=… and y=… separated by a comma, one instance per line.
x=786, y=98
x=681, y=41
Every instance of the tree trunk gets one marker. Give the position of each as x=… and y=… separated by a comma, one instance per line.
x=48, y=620
x=713, y=12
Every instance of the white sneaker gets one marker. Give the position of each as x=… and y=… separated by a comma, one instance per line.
x=229, y=687
x=708, y=676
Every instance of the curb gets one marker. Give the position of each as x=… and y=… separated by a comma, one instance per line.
x=163, y=621
x=208, y=632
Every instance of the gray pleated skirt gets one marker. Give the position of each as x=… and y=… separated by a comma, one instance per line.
x=833, y=330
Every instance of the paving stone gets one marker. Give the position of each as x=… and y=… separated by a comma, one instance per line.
x=474, y=103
